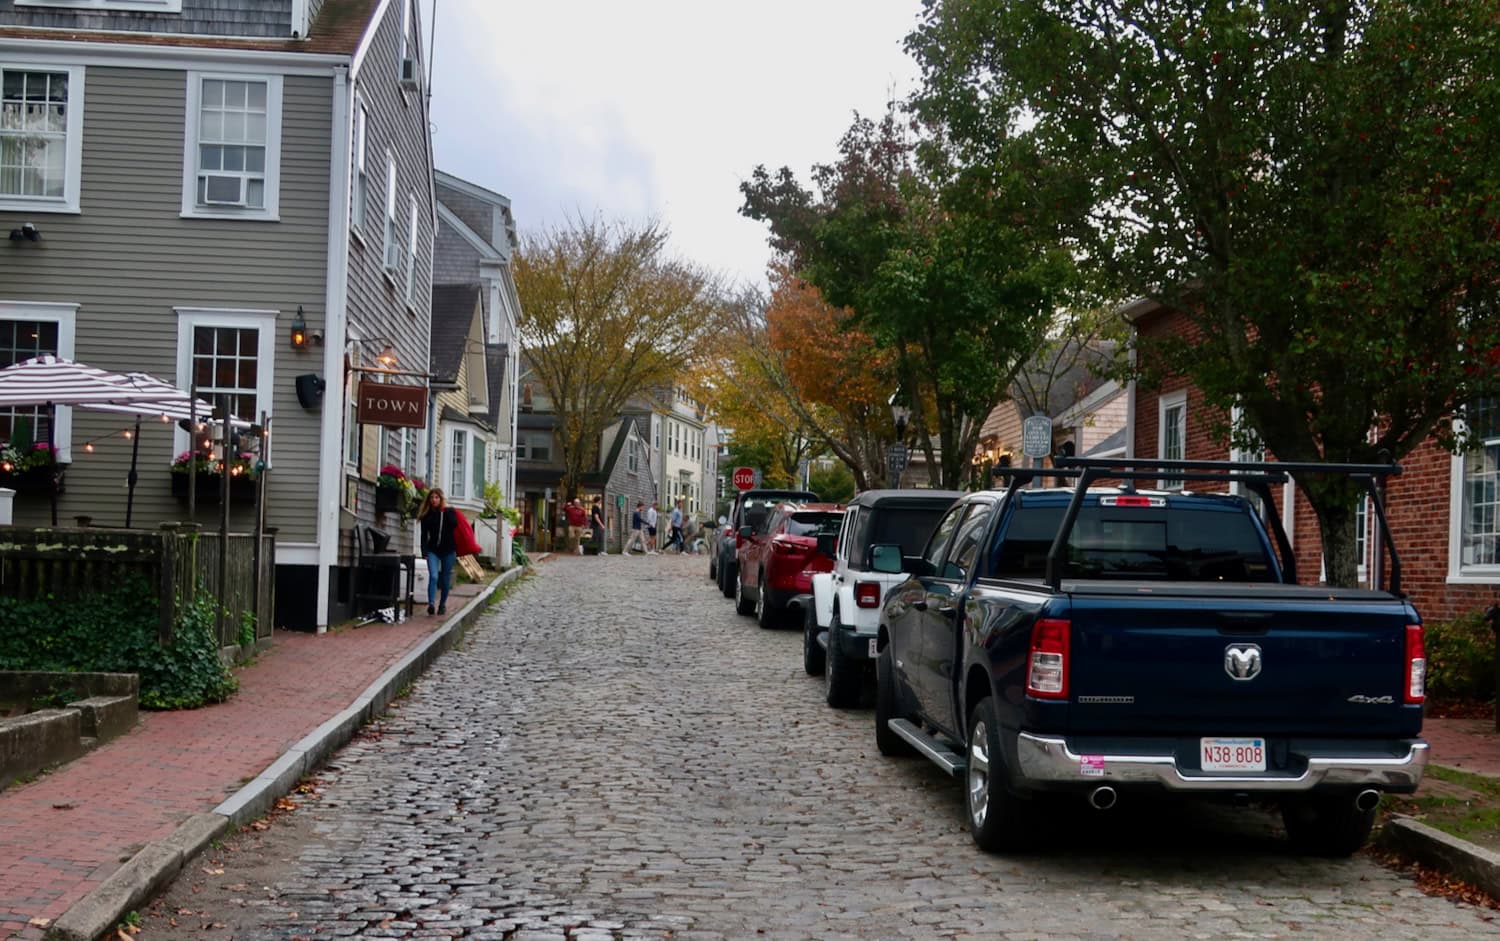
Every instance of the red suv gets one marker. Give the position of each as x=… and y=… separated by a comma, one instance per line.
x=776, y=561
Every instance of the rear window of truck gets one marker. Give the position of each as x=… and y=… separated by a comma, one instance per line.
x=1173, y=543
x=814, y=524
x=907, y=526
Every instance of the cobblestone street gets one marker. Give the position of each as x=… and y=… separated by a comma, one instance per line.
x=613, y=753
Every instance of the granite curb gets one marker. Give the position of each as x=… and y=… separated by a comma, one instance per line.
x=1453, y=855
x=158, y=862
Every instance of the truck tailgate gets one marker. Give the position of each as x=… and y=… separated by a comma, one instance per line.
x=1238, y=659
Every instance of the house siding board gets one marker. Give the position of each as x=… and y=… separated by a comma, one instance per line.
x=258, y=18
x=377, y=306
x=454, y=260
x=111, y=260
x=477, y=214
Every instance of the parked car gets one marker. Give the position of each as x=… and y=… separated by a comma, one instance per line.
x=776, y=567
x=838, y=628
x=756, y=505
x=1160, y=648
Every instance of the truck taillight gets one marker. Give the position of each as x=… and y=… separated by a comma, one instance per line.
x=1047, y=667
x=1416, y=665
x=867, y=594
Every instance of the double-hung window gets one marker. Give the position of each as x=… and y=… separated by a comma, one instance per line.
x=411, y=255
x=232, y=161
x=359, y=195
x=227, y=355
x=29, y=329
x=41, y=137
x=134, y=6
x=466, y=457
x=1477, y=485
x=1172, y=433
x=392, y=233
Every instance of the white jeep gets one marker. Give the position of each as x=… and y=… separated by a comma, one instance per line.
x=840, y=625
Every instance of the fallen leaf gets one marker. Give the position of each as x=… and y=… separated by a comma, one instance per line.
x=184, y=911
x=39, y=922
x=213, y=872
x=259, y=825
x=64, y=806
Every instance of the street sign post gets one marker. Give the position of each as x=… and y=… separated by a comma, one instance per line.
x=1036, y=436
x=744, y=478
x=896, y=457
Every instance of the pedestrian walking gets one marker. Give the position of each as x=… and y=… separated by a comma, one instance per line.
x=637, y=529
x=651, y=530
x=439, y=523
x=596, y=523
x=675, y=538
x=577, y=520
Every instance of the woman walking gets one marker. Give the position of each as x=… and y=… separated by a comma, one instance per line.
x=596, y=523
x=439, y=521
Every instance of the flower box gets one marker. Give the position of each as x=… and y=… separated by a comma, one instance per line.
x=241, y=488
x=389, y=499
x=37, y=480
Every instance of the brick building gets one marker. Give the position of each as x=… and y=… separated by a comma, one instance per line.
x=1443, y=509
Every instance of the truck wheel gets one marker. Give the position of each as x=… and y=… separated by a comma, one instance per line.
x=890, y=744
x=766, y=616
x=1326, y=825
x=999, y=821
x=726, y=581
x=841, y=675
x=812, y=653
x=741, y=604
x=713, y=568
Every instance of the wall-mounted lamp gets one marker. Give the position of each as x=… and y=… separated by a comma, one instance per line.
x=299, y=330
x=387, y=357
x=28, y=231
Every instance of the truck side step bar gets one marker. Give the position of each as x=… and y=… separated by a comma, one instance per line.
x=932, y=749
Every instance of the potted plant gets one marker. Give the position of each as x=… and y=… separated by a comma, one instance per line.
x=395, y=492
x=28, y=467
x=209, y=474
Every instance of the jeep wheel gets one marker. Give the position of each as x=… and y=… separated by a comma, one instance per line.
x=812, y=652
x=742, y=605
x=1326, y=824
x=713, y=568
x=890, y=744
x=841, y=675
x=999, y=821
x=765, y=615
x=726, y=581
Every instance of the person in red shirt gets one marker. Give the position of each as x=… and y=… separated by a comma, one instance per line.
x=577, y=523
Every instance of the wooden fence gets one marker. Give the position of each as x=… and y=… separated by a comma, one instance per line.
x=175, y=560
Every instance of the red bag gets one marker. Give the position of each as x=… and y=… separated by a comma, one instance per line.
x=463, y=536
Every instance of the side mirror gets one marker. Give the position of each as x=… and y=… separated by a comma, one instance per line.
x=747, y=531
x=886, y=559
x=828, y=543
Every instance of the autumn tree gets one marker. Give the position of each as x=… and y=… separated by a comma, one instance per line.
x=607, y=313
x=1314, y=185
x=955, y=276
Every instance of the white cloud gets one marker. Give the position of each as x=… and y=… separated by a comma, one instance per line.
x=657, y=108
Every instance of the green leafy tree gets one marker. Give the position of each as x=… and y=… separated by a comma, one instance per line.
x=1313, y=185
x=607, y=313
x=957, y=276
x=832, y=484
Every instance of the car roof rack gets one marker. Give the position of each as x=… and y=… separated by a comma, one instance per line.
x=1257, y=476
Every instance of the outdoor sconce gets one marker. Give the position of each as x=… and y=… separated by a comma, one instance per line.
x=28, y=231
x=299, y=330
x=900, y=413
x=387, y=357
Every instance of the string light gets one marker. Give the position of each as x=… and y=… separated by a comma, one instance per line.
x=126, y=433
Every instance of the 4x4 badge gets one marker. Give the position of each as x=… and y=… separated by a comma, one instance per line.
x=1242, y=661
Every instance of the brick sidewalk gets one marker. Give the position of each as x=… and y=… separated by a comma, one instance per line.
x=63, y=834
x=1466, y=744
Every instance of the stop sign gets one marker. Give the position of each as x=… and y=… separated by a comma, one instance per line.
x=744, y=478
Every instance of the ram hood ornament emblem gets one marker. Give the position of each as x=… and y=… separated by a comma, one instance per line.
x=1242, y=661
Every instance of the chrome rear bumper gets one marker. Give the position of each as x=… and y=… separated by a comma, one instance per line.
x=1045, y=758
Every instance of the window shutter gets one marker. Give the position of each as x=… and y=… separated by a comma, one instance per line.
x=479, y=447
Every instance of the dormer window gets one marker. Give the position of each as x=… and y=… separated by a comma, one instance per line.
x=133, y=6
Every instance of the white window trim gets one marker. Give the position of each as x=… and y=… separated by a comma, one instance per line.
x=190, y=207
x=73, y=172
x=66, y=318
x=136, y=6
x=411, y=254
x=1163, y=404
x=1458, y=573
x=359, y=167
x=349, y=424
x=265, y=354
x=390, y=226
x=463, y=473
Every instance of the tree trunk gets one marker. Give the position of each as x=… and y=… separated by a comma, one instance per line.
x=1337, y=515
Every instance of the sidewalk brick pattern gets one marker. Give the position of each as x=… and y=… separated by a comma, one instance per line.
x=63, y=834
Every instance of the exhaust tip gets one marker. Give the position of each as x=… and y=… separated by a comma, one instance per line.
x=1103, y=798
x=1367, y=800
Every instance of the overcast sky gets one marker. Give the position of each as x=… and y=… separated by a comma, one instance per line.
x=656, y=107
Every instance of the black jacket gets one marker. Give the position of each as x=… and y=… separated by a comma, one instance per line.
x=437, y=531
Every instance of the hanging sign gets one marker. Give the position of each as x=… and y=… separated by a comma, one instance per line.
x=384, y=403
x=1036, y=436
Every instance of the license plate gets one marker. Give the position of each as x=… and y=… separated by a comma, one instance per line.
x=1233, y=754
x=873, y=652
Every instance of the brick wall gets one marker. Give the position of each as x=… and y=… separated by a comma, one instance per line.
x=1417, y=502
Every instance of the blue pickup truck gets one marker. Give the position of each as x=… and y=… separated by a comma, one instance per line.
x=1104, y=642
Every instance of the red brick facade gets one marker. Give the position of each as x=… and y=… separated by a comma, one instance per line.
x=1418, y=503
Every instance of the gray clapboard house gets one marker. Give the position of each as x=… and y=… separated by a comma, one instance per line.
x=189, y=181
